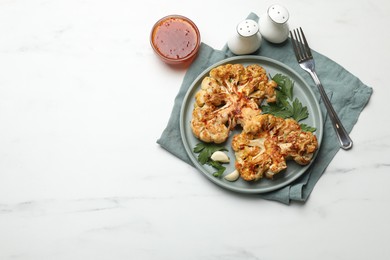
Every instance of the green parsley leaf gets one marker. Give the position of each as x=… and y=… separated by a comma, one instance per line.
x=204, y=151
x=307, y=128
x=282, y=99
x=199, y=147
x=218, y=166
x=285, y=106
x=277, y=110
x=299, y=111
x=285, y=83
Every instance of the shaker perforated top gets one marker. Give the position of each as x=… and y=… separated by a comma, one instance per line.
x=278, y=14
x=247, y=28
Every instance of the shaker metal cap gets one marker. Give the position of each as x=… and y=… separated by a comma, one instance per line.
x=247, y=28
x=278, y=14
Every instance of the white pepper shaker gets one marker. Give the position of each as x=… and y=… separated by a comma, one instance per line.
x=247, y=38
x=273, y=24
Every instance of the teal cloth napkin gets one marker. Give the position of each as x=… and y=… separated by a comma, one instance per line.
x=348, y=95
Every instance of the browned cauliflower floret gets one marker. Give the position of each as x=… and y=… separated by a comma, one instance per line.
x=228, y=75
x=210, y=124
x=299, y=146
x=213, y=114
x=256, y=156
x=224, y=93
x=262, y=150
x=255, y=84
x=211, y=92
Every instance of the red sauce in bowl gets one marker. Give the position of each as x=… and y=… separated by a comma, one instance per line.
x=175, y=39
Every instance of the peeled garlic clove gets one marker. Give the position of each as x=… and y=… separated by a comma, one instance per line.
x=219, y=156
x=232, y=176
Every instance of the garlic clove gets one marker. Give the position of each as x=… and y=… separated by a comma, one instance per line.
x=219, y=156
x=232, y=176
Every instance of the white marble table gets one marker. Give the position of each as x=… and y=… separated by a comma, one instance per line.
x=83, y=100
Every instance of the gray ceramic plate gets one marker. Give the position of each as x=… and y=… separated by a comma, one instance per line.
x=301, y=90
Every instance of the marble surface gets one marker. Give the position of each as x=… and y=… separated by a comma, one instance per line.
x=83, y=100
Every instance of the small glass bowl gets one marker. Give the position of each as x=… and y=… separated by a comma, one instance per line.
x=175, y=39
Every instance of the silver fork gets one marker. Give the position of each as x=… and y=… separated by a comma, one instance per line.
x=306, y=61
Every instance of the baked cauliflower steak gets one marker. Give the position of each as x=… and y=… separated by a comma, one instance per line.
x=223, y=94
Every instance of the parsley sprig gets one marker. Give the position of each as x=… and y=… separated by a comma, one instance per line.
x=286, y=106
x=204, y=151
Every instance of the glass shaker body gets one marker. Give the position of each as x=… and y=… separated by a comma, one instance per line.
x=247, y=38
x=273, y=24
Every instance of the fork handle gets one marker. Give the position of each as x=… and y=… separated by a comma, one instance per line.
x=342, y=134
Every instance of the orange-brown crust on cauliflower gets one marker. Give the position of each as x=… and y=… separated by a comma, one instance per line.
x=223, y=94
x=263, y=150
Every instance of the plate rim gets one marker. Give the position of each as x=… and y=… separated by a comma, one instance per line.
x=254, y=59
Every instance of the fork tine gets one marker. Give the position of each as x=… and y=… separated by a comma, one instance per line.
x=300, y=48
x=294, y=44
x=300, y=45
x=306, y=45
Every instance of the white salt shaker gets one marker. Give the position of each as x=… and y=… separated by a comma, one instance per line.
x=247, y=39
x=273, y=24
